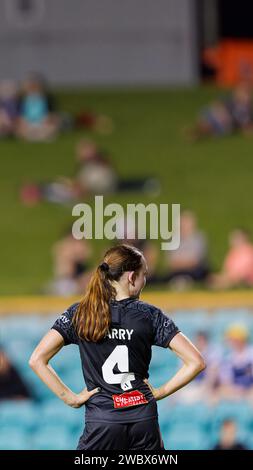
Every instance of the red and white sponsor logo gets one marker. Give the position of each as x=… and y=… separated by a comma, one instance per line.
x=129, y=399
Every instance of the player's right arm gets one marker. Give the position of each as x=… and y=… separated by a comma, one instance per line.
x=167, y=335
x=193, y=364
x=48, y=347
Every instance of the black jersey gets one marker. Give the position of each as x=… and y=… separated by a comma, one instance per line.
x=119, y=363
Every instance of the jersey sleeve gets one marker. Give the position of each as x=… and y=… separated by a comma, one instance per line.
x=65, y=327
x=164, y=329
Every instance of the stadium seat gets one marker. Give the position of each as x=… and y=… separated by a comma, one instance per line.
x=191, y=321
x=158, y=376
x=54, y=412
x=23, y=327
x=19, y=350
x=241, y=411
x=225, y=317
x=249, y=441
x=74, y=379
x=180, y=439
x=14, y=439
x=67, y=359
x=195, y=414
x=51, y=439
x=162, y=356
x=18, y=414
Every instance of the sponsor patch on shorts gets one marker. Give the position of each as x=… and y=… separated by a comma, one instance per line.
x=127, y=399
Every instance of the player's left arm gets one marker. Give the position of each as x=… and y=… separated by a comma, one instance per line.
x=193, y=364
x=48, y=347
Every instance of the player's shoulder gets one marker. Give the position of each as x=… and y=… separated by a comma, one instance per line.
x=145, y=307
x=68, y=314
x=158, y=318
x=64, y=325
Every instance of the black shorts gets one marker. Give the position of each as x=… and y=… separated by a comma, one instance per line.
x=144, y=435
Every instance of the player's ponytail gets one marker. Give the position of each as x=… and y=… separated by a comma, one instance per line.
x=93, y=318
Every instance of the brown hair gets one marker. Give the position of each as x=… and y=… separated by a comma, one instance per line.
x=93, y=318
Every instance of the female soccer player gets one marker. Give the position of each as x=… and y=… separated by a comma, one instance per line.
x=115, y=332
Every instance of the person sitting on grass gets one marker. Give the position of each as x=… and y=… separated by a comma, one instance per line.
x=225, y=116
x=38, y=120
x=237, y=269
x=95, y=174
x=188, y=263
x=71, y=259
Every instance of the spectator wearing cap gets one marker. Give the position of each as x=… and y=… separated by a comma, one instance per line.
x=236, y=370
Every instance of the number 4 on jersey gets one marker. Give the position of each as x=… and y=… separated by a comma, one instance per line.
x=119, y=356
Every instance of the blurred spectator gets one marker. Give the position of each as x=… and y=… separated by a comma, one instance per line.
x=238, y=264
x=64, y=190
x=236, y=369
x=38, y=119
x=204, y=385
x=225, y=116
x=127, y=232
x=12, y=386
x=70, y=259
x=8, y=108
x=95, y=174
x=228, y=439
x=240, y=107
x=189, y=262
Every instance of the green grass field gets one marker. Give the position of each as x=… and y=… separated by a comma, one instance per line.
x=214, y=178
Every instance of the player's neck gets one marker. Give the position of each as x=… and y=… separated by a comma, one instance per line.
x=118, y=298
x=122, y=293
x=122, y=297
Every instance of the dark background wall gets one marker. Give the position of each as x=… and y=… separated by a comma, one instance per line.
x=100, y=41
x=235, y=18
